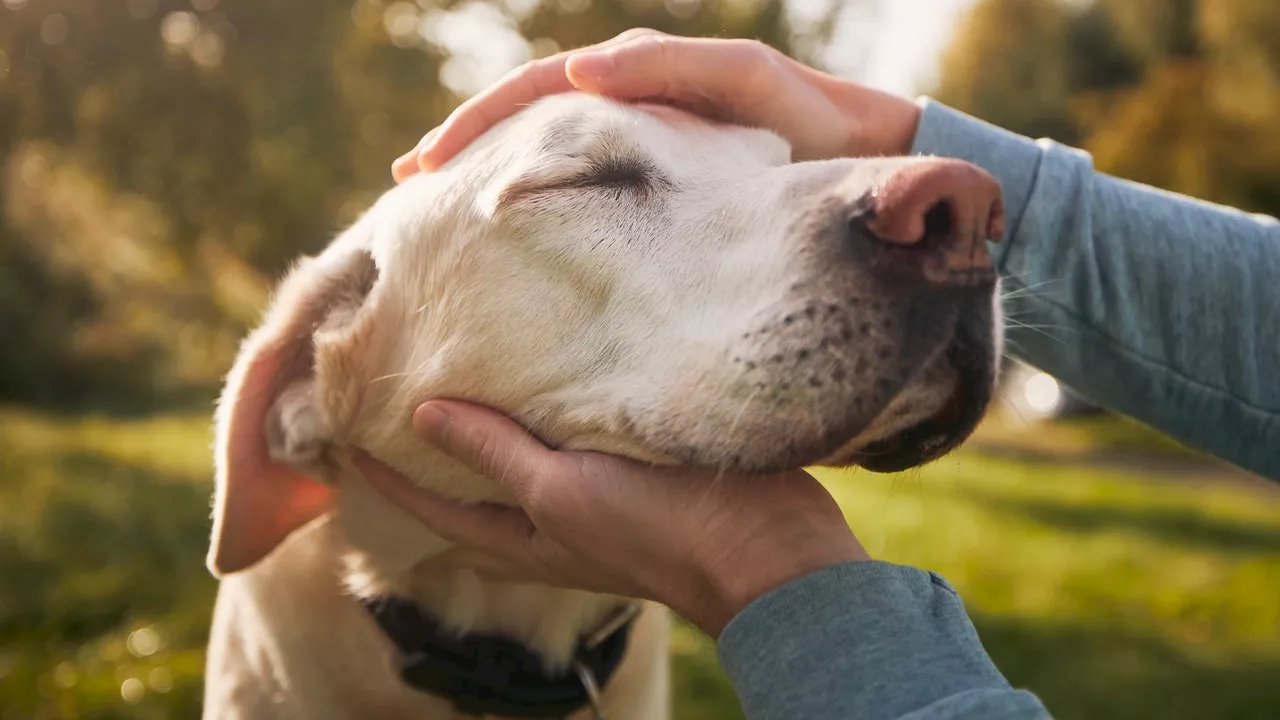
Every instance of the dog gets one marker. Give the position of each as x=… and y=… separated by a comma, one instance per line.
x=629, y=279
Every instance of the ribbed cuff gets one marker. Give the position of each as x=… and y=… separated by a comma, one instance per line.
x=1012, y=159
x=864, y=639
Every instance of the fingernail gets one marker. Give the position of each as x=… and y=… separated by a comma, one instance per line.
x=432, y=423
x=419, y=155
x=404, y=166
x=591, y=65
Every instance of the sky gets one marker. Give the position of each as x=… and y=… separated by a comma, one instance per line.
x=906, y=38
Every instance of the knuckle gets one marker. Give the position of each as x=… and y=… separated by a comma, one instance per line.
x=659, y=52
x=548, y=557
x=488, y=451
x=533, y=496
x=539, y=76
x=549, y=488
x=753, y=52
x=638, y=32
x=529, y=71
x=760, y=66
x=655, y=42
x=524, y=71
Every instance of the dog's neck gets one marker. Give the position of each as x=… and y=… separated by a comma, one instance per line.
x=400, y=556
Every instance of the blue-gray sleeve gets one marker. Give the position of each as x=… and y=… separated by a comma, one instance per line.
x=1158, y=306
x=1161, y=307
x=865, y=640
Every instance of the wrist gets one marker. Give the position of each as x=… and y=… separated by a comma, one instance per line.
x=880, y=123
x=754, y=569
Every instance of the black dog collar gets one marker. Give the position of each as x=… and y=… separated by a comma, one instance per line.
x=491, y=674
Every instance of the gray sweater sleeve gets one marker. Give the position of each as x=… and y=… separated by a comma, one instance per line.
x=866, y=640
x=1161, y=307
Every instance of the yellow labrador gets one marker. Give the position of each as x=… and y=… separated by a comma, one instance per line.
x=627, y=279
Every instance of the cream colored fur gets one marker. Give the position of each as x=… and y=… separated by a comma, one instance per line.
x=678, y=315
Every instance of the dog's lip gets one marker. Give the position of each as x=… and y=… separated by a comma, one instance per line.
x=917, y=444
x=941, y=433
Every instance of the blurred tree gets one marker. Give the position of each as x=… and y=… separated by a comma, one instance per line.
x=161, y=160
x=1180, y=94
x=1013, y=78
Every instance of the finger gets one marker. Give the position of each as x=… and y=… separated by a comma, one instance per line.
x=482, y=111
x=518, y=88
x=492, y=445
x=407, y=164
x=504, y=531
x=670, y=67
x=486, y=564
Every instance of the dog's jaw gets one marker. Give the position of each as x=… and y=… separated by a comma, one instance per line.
x=390, y=552
x=397, y=555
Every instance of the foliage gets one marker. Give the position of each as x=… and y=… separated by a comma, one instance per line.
x=1111, y=593
x=1180, y=94
x=102, y=532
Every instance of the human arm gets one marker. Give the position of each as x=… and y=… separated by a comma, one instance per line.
x=865, y=640
x=1153, y=304
x=808, y=626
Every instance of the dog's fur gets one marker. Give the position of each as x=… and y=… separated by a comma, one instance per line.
x=623, y=279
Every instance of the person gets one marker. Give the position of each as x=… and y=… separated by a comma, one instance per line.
x=1164, y=308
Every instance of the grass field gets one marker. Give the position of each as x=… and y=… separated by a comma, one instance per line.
x=1112, y=589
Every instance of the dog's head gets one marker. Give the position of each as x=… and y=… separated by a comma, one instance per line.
x=632, y=280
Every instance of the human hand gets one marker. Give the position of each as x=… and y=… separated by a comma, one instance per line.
x=739, y=81
x=703, y=544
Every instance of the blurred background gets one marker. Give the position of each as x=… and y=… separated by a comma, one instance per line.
x=162, y=161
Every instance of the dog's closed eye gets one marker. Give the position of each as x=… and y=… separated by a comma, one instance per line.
x=626, y=173
x=632, y=175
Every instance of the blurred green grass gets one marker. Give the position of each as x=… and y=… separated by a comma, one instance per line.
x=1110, y=591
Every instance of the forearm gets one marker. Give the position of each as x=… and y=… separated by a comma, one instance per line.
x=1161, y=307
x=865, y=640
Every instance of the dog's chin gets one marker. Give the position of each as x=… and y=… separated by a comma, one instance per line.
x=922, y=442
x=904, y=437
x=886, y=445
x=941, y=431
x=892, y=450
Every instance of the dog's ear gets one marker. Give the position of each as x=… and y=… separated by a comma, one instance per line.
x=270, y=431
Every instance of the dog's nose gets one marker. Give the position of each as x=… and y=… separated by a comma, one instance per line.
x=935, y=216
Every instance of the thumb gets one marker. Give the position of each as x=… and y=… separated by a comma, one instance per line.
x=491, y=445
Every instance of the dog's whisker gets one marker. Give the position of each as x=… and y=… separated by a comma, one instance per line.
x=733, y=427
x=1026, y=290
x=1011, y=343
x=1041, y=329
x=722, y=464
x=817, y=418
x=393, y=376
x=1008, y=402
x=1037, y=326
x=1017, y=276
